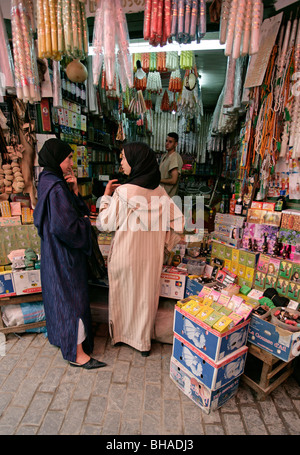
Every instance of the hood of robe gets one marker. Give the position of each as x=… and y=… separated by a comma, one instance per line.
x=47, y=180
x=150, y=209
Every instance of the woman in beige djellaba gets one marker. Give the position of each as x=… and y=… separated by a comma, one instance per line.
x=145, y=222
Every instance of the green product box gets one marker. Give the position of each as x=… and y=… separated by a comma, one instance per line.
x=251, y=260
x=222, y=250
x=215, y=249
x=243, y=257
x=228, y=253
x=213, y=318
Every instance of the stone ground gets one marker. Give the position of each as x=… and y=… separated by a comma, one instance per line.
x=41, y=394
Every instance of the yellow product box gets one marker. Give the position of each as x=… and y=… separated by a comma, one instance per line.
x=191, y=298
x=227, y=264
x=241, y=271
x=249, y=273
x=223, y=324
x=235, y=255
x=234, y=267
x=27, y=215
x=5, y=209
x=204, y=312
x=208, y=300
x=193, y=309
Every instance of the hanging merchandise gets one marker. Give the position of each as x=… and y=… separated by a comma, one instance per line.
x=137, y=104
x=110, y=29
x=240, y=26
x=161, y=62
x=157, y=22
x=154, y=82
x=165, y=103
x=175, y=83
x=145, y=61
x=6, y=60
x=62, y=29
x=140, y=78
x=187, y=60
x=188, y=20
x=57, y=89
x=172, y=61
x=153, y=61
x=26, y=71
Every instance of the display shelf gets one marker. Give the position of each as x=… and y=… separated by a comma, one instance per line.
x=17, y=300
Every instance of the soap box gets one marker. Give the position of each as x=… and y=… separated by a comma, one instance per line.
x=212, y=343
x=279, y=342
x=27, y=282
x=208, y=400
x=212, y=374
x=7, y=288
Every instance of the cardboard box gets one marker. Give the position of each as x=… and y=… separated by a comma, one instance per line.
x=192, y=287
x=172, y=283
x=207, y=340
x=208, y=400
x=27, y=282
x=7, y=288
x=279, y=342
x=212, y=374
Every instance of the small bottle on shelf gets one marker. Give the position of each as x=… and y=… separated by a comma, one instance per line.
x=238, y=206
x=232, y=205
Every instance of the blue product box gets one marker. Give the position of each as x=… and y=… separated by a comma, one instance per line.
x=212, y=343
x=208, y=400
x=192, y=287
x=7, y=287
x=279, y=342
x=212, y=374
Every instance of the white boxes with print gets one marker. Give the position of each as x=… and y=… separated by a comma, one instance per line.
x=27, y=282
x=172, y=283
x=212, y=343
x=212, y=374
x=208, y=400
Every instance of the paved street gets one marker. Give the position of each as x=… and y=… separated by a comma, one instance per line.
x=40, y=394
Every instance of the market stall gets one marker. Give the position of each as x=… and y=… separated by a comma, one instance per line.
x=230, y=290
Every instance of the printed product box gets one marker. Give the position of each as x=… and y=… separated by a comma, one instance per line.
x=27, y=282
x=212, y=374
x=7, y=288
x=172, y=283
x=208, y=341
x=192, y=287
x=10, y=221
x=208, y=400
x=279, y=342
x=257, y=231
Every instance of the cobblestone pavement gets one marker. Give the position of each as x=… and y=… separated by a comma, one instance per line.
x=40, y=394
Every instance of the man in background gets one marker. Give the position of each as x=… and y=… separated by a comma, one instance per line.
x=171, y=166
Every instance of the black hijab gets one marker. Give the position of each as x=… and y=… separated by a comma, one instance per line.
x=144, y=168
x=54, y=152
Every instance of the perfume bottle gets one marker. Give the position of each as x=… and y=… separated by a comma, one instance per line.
x=265, y=244
x=250, y=246
x=255, y=246
x=276, y=248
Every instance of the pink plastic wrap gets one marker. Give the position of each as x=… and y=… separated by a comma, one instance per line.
x=98, y=56
x=6, y=61
x=109, y=40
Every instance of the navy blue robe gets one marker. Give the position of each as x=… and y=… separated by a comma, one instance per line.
x=65, y=244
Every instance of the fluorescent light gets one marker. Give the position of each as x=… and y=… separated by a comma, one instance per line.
x=204, y=45
x=144, y=47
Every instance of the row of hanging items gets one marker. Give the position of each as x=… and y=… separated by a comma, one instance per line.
x=163, y=123
x=157, y=61
x=25, y=62
x=287, y=94
x=110, y=29
x=187, y=60
x=154, y=82
x=183, y=20
x=6, y=60
x=62, y=29
x=175, y=82
x=240, y=26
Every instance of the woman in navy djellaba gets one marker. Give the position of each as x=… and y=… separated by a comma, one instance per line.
x=62, y=220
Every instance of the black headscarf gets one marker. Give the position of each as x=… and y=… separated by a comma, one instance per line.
x=54, y=152
x=144, y=168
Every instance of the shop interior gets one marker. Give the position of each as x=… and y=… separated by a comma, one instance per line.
x=225, y=77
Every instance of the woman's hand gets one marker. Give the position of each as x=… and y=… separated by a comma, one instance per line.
x=72, y=182
x=110, y=187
